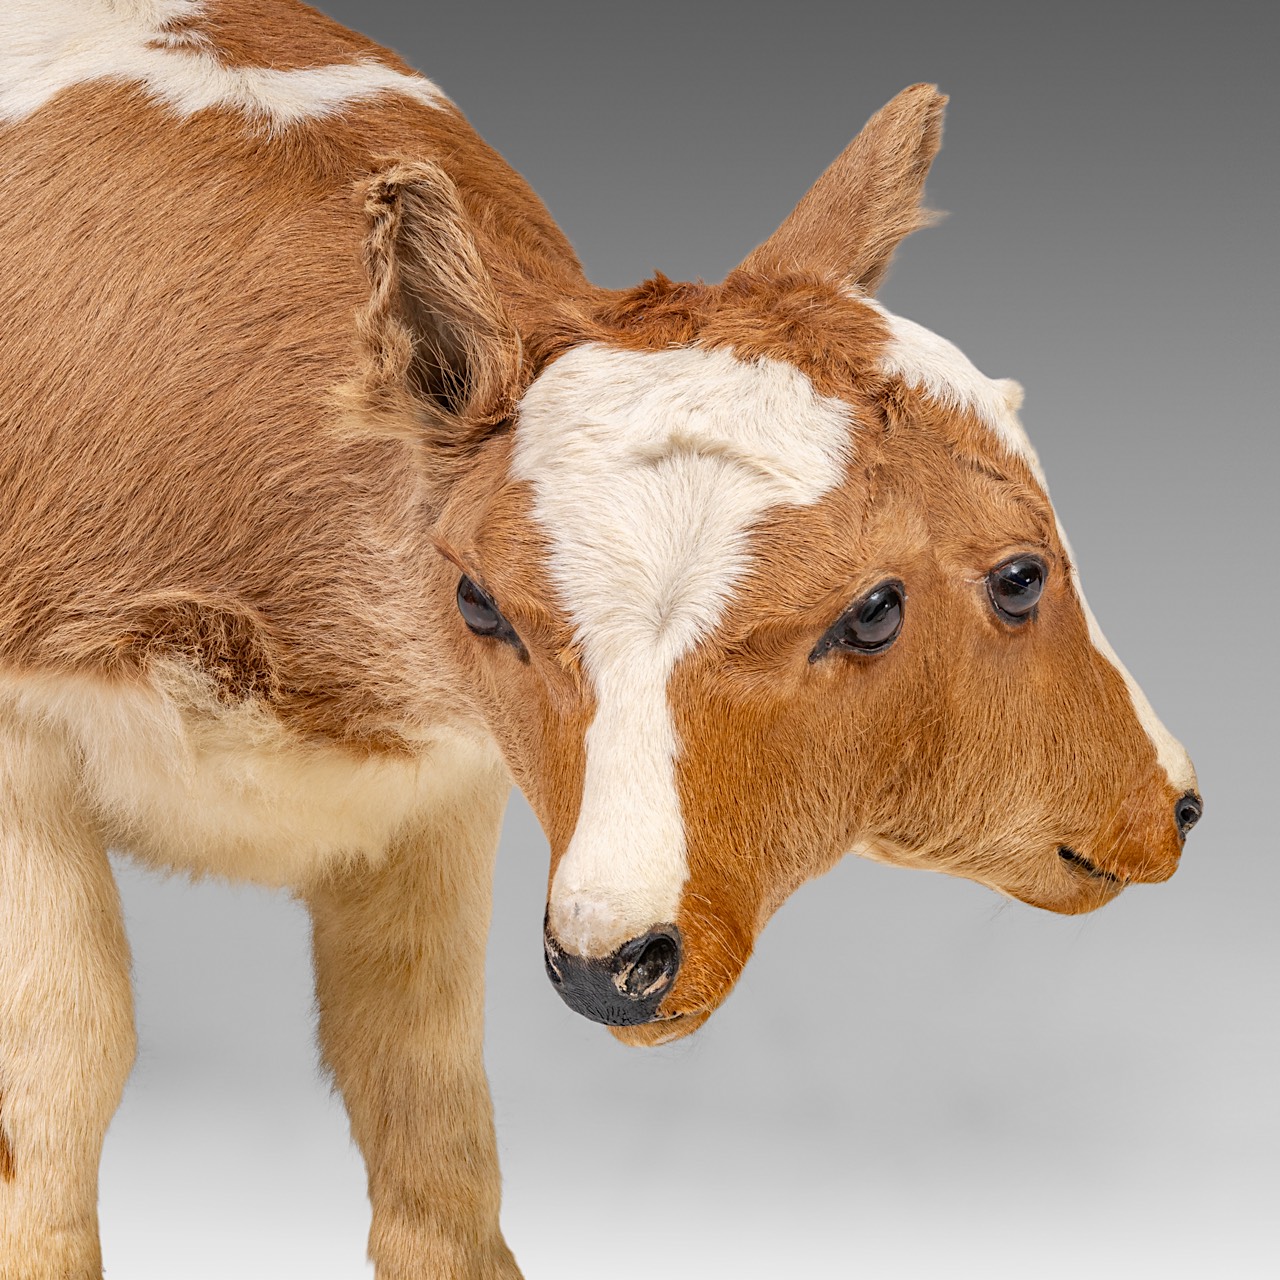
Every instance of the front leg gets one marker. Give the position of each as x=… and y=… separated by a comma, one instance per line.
x=399, y=958
x=66, y=1013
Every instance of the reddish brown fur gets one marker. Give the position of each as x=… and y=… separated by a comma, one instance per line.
x=979, y=750
x=852, y=219
x=938, y=497
x=199, y=469
x=539, y=709
x=959, y=729
x=281, y=34
x=258, y=416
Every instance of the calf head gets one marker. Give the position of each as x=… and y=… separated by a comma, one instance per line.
x=760, y=575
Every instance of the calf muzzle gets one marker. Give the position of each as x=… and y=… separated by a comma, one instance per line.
x=623, y=989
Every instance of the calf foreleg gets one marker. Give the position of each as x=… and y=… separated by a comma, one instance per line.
x=399, y=955
x=66, y=1017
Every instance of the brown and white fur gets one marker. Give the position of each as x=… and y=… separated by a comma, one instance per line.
x=286, y=350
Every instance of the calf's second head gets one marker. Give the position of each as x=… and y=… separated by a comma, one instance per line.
x=761, y=575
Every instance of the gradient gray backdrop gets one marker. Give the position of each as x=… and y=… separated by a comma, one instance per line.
x=914, y=1079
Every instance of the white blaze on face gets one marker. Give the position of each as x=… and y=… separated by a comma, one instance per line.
x=648, y=470
x=946, y=374
x=47, y=46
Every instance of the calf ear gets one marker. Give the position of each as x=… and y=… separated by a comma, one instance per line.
x=848, y=225
x=434, y=329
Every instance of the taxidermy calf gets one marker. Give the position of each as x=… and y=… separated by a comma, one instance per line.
x=336, y=499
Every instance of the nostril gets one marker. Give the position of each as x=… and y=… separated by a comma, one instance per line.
x=1187, y=812
x=657, y=957
x=622, y=989
x=549, y=959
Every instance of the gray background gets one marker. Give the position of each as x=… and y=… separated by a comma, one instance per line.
x=913, y=1079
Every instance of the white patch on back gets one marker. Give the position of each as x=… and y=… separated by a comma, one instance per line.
x=945, y=373
x=648, y=470
x=47, y=46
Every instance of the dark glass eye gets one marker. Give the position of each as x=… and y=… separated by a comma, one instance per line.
x=870, y=625
x=483, y=616
x=1015, y=587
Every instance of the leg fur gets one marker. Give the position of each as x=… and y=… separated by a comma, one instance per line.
x=399, y=955
x=66, y=1017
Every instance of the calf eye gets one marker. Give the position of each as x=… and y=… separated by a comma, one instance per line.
x=869, y=625
x=483, y=616
x=1015, y=587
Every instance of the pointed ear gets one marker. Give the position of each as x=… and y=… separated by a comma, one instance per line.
x=434, y=329
x=848, y=225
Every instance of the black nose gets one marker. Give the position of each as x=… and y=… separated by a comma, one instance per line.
x=623, y=989
x=1187, y=812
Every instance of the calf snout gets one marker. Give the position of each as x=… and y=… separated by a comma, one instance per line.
x=622, y=989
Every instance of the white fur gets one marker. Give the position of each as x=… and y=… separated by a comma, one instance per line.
x=47, y=46
x=181, y=780
x=648, y=470
x=946, y=374
x=940, y=369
